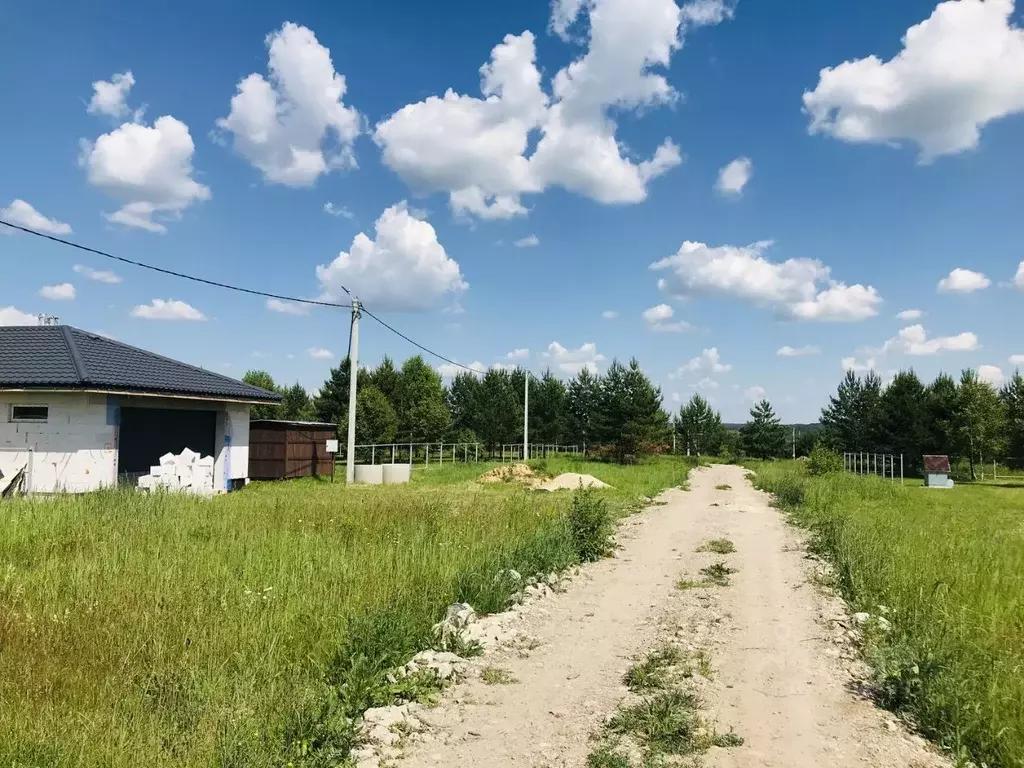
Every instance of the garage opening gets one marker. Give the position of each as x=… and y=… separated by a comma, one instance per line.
x=146, y=434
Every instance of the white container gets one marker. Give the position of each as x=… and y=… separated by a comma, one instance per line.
x=371, y=474
x=396, y=474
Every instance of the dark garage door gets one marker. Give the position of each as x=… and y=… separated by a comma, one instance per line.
x=148, y=433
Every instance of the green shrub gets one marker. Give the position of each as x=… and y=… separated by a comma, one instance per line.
x=824, y=461
x=590, y=526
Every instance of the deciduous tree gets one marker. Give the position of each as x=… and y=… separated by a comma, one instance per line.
x=263, y=380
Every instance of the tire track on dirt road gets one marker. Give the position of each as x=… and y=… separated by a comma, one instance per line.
x=779, y=681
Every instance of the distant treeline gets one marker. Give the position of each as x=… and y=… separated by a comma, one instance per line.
x=618, y=412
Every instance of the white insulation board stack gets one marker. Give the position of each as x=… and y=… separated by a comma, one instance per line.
x=188, y=472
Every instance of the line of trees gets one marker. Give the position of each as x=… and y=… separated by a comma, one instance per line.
x=700, y=431
x=965, y=419
x=618, y=413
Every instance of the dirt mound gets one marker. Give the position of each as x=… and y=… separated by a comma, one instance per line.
x=512, y=473
x=571, y=481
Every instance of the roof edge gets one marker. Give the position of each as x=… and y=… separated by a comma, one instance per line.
x=93, y=390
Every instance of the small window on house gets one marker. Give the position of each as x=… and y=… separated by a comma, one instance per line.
x=30, y=412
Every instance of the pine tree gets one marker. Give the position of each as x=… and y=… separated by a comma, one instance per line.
x=1012, y=395
x=840, y=418
x=263, y=380
x=635, y=423
x=763, y=436
x=903, y=418
x=331, y=402
x=548, y=409
x=465, y=402
x=583, y=397
x=699, y=426
x=500, y=417
x=388, y=379
x=940, y=417
x=297, y=404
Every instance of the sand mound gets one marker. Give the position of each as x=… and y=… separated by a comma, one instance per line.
x=508, y=474
x=571, y=481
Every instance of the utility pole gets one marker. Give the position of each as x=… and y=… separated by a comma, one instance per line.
x=794, y=442
x=353, y=375
x=526, y=416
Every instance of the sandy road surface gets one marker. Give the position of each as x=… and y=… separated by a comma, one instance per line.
x=779, y=681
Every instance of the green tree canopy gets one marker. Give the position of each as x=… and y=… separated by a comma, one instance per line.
x=376, y=421
x=699, y=426
x=902, y=421
x=763, y=436
x=422, y=412
x=979, y=419
x=297, y=404
x=1012, y=395
x=583, y=401
x=548, y=409
x=634, y=422
x=263, y=380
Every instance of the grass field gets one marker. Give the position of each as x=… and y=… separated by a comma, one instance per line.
x=246, y=630
x=949, y=568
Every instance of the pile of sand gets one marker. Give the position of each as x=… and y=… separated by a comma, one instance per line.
x=513, y=473
x=571, y=481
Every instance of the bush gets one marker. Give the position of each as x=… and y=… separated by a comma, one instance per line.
x=590, y=526
x=824, y=461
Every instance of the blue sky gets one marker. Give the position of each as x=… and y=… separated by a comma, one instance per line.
x=607, y=126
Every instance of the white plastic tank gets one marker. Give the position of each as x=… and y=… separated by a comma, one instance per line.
x=395, y=474
x=371, y=474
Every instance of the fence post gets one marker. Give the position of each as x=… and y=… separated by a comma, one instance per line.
x=476, y=451
x=373, y=454
x=426, y=451
x=901, y=469
x=410, y=454
x=392, y=453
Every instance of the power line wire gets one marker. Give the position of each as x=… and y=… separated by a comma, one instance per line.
x=230, y=287
x=172, y=273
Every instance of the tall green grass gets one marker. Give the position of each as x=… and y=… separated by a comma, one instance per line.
x=949, y=568
x=248, y=629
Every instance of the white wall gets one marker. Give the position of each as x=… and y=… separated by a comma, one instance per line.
x=75, y=449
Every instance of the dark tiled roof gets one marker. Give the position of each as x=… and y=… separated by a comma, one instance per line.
x=936, y=463
x=62, y=357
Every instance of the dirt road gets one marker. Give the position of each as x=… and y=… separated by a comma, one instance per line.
x=778, y=677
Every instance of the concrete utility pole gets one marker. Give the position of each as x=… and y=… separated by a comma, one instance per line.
x=526, y=417
x=353, y=375
x=794, y=442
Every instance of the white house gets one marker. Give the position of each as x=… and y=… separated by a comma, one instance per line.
x=79, y=412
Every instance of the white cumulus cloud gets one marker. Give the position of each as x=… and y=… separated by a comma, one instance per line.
x=530, y=241
x=287, y=307
x=167, y=309
x=99, y=275
x=609, y=314
x=755, y=394
x=705, y=384
x=1016, y=359
x=14, y=316
x=963, y=281
x=405, y=268
x=914, y=341
x=659, y=319
x=518, y=354
x=734, y=177
x=294, y=125
x=20, y=212
x=801, y=289
x=958, y=70
x=572, y=361
x=798, y=351
x=852, y=364
x=148, y=168
x=476, y=148
x=709, y=360
x=109, y=96
x=59, y=292
x=993, y=374
x=909, y=314
x=1018, y=279
x=319, y=353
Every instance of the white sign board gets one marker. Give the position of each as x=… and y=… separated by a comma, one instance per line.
x=332, y=446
